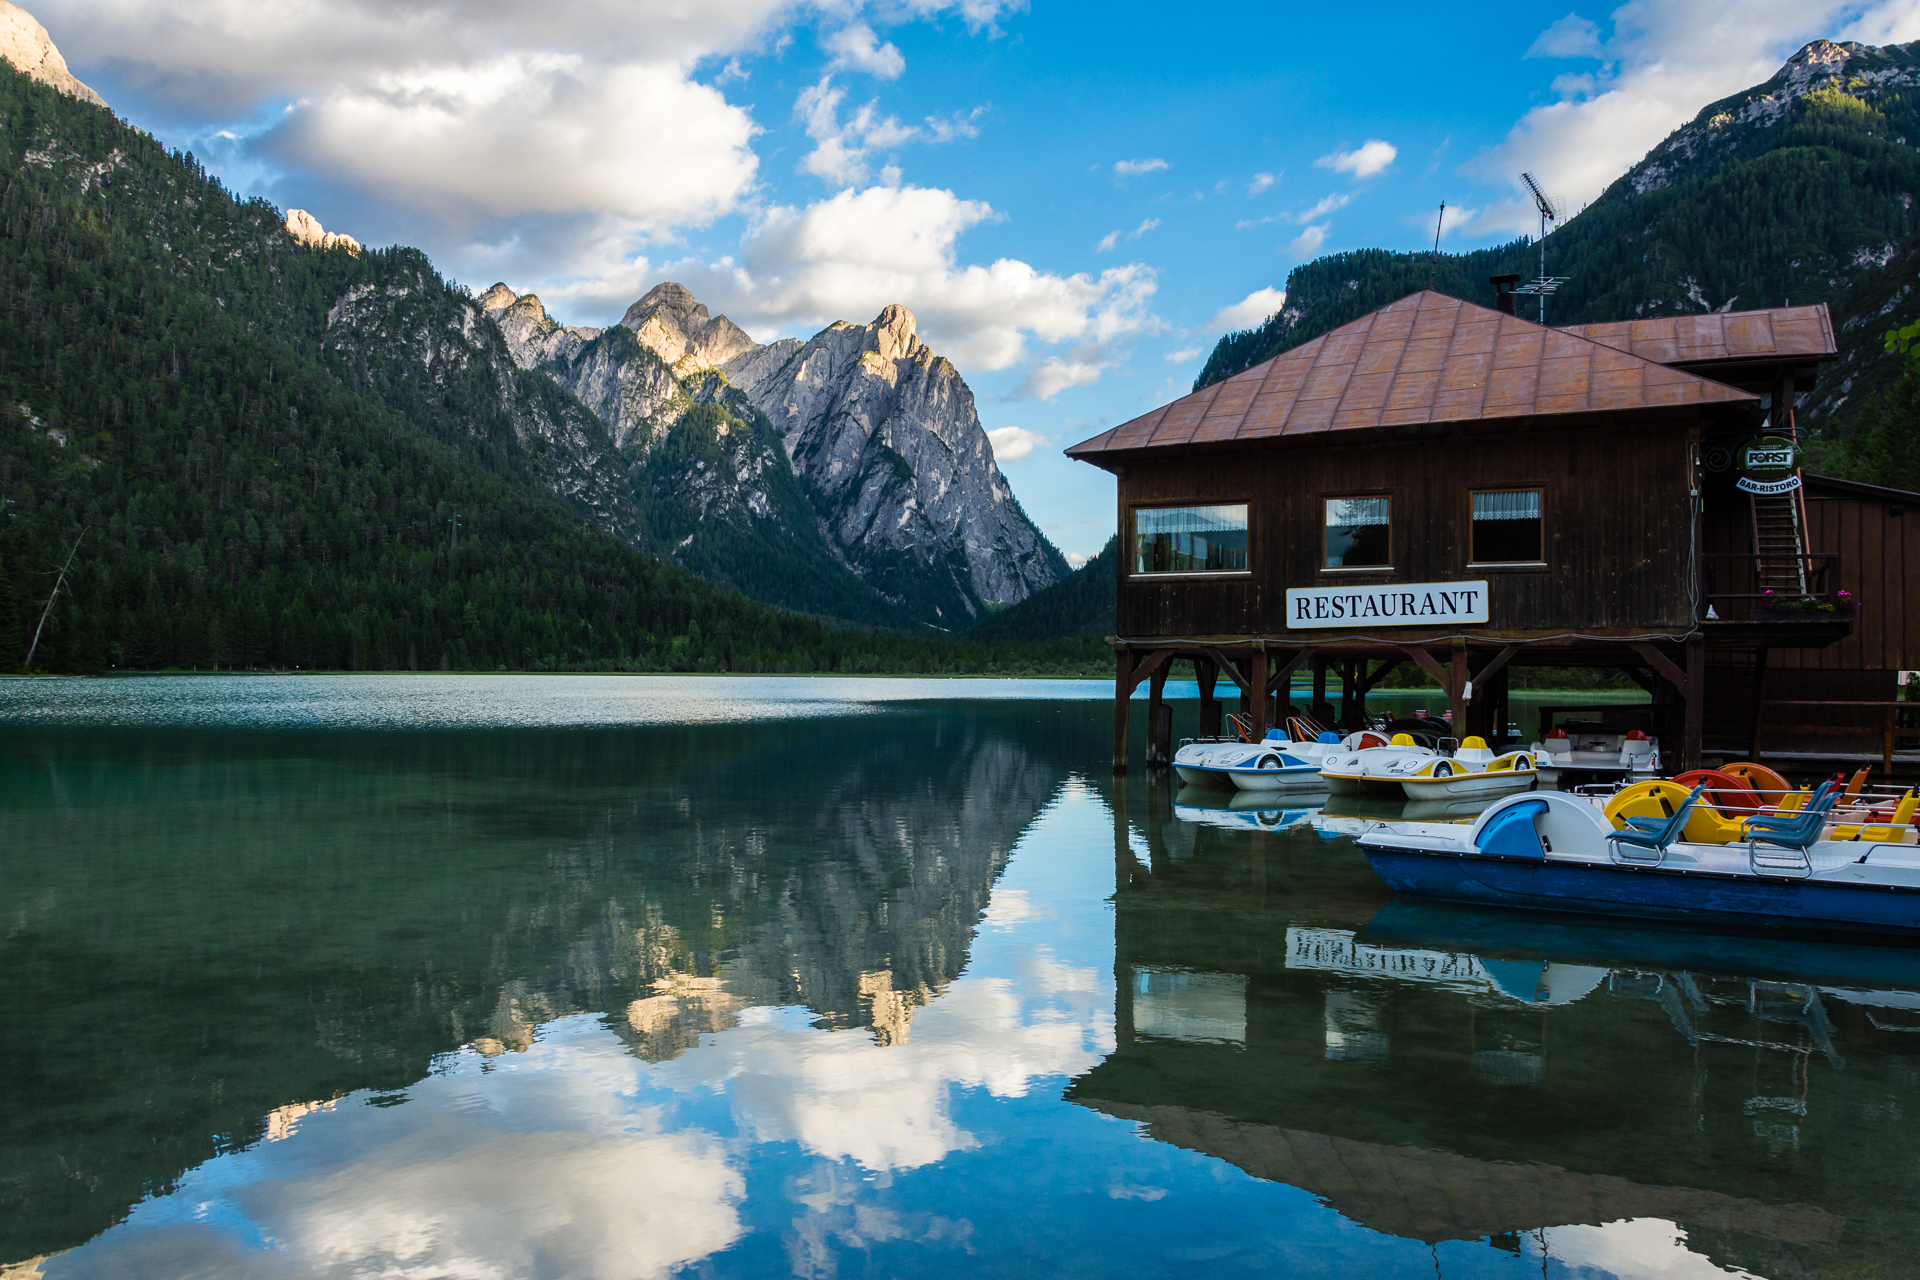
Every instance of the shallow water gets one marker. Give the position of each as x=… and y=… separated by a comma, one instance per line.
x=585, y=976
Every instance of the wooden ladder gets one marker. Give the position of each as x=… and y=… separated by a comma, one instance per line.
x=1779, y=544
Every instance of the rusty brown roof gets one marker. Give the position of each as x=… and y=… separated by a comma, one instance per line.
x=1776, y=333
x=1427, y=358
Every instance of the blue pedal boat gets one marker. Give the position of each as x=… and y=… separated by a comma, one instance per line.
x=1548, y=851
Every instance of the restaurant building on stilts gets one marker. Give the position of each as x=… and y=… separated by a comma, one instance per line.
x=1454, y=486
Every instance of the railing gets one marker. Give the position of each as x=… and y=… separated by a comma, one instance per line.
x=1890, y=722
x=1735, y=587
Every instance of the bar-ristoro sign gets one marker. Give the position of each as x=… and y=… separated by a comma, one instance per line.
x=1401, y=604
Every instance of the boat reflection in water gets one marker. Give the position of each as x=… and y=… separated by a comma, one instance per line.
x=1563, y=1088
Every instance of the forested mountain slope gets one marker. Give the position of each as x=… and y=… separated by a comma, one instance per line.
x=1800, y=189
x=1080, y=605
x=246, y=486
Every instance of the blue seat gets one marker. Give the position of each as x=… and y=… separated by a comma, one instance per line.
x=1794, y=830
x=1655, y=837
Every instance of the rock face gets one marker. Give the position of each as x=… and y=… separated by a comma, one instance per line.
x=26, y=44
x=879, y=433
x=886, y=436
x=306, y=228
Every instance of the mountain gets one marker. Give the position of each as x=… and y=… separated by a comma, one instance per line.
x=1801, y=189
x=222, y=444
x=1080, y=605
x=853, y=462
x=26, y=44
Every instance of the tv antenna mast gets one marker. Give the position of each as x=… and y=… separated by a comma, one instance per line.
x=1544, y=284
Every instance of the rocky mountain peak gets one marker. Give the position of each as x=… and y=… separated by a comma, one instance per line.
x=675, y=326
x=306, y=228
x=1820, y=60
x=26, y=44
x=893, y=333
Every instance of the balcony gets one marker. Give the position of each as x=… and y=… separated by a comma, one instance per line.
x=1786, y=601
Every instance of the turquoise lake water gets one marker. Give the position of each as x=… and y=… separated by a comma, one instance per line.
x=449, y=976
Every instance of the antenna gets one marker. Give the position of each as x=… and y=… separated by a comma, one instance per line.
x=1433, y=259
x=1549, y=212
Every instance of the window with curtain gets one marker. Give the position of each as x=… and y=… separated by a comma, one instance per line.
x=1190, y=539
x=1357, y=533
x=1506, y=526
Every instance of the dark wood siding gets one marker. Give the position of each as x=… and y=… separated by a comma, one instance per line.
x=1878, y=541
x=1616, y=531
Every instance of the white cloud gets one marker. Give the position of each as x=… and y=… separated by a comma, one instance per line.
x=1134, y=168
x=1371, y=157
x=1665, y=61
x=1308, y=242
x=856, y=48
x=844, y=148
x=1012, y=443
x=1076, y=560
x=1261, y=181
x=851, y=254
x=1056, y=374
x=1188, y=353
x=1113, y=238
x=1252, y=309
x=1571, y=37
x=1325, y=207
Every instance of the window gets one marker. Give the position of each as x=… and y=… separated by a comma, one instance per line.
x=1506, y=526
x=1357, y=530
x=1190, y=539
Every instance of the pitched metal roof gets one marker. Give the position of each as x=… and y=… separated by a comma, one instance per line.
x=1427, y=358
x=1773, y=334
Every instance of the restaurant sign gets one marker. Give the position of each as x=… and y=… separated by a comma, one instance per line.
x=1767, y=466
x=1403, y=604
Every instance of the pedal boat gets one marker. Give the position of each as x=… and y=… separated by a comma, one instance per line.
x=1376, y=770
x=1627, y=757
x=1273, y=764
x=1550, y=851
x=1472, y=771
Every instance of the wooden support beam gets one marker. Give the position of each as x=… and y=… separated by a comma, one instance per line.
x=1123, y=683
x=1158, y=660
x=1283, y=675
x=1666, y=667
x=1431, y=666
x=1205, y=670
x=1458, y=693
x=1500, y=660
x=1159, y=719
x=1696, y=702
x=1228, y=667
x=1259, y=682
x=1642, y=677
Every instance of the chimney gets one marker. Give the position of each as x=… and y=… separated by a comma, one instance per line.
x=1503, y=291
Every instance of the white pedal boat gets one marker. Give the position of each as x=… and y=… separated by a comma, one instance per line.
x=1472, y=771
x=1375, y=769
x=1275, y=764
x=1629, y=757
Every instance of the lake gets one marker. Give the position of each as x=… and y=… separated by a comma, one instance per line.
x=451, y=976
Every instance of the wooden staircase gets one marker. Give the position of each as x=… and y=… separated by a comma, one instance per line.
x=1779, y=542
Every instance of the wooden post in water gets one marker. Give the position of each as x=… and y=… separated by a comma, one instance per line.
x=1259, y=688
x=1457, y=689
x=1122, y=709
x=1159, y=719
x=1319, y=688
x=1205, y=672
x=1695, y=694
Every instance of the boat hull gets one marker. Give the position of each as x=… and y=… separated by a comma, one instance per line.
x=1263, y=781
x=1651, y=893
x=1484, y=786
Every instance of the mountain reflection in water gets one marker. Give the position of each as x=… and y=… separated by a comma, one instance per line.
x=919, y=989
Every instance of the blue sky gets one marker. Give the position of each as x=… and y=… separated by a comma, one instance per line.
x=1074, y=200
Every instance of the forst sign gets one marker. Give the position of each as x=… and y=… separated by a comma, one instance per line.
x=1405, y=604
x=1767, y=466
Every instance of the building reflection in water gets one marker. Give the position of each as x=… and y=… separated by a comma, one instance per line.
x=1454, y=1074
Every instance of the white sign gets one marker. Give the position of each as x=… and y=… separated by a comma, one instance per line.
x=1403, y=604
x=1747, y=484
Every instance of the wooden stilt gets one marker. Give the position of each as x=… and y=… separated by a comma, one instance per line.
x=1259, y=685
x=1457, y=691
x=1159, y=719
x=1696, y=696
x=1319, y=687
x=1205, y=672
x=1122, y=707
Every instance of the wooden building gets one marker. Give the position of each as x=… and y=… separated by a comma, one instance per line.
x=1455, y=486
